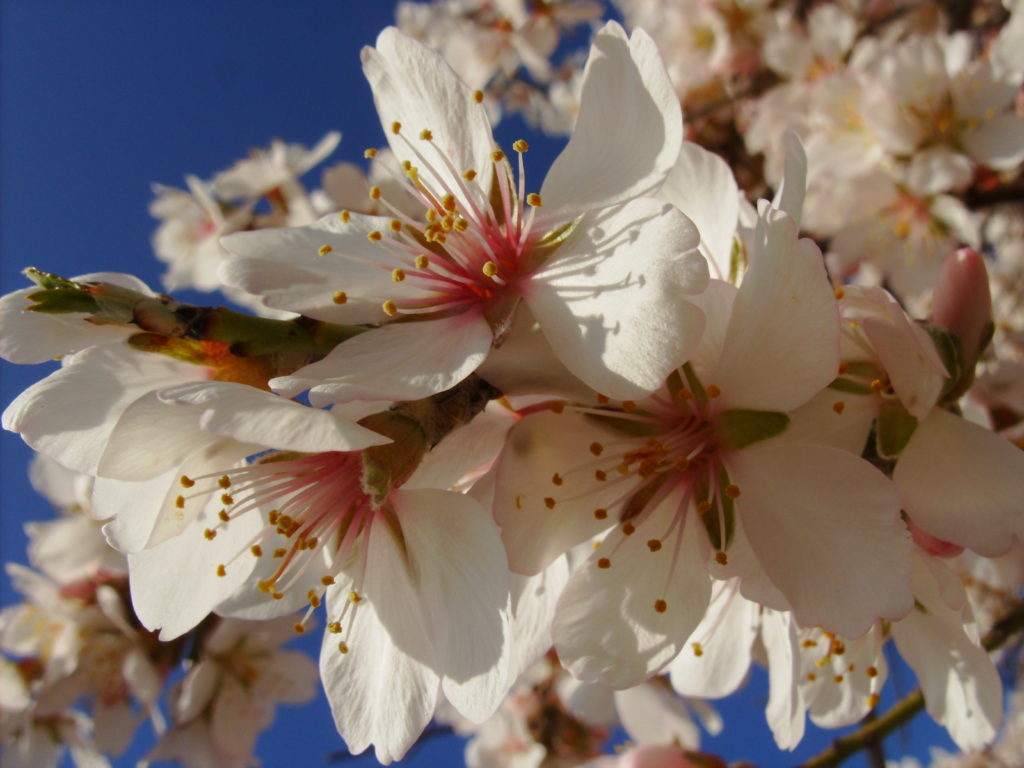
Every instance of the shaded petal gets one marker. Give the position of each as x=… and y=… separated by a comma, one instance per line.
x=400, y=361
x=718, y=654
x=825, y=527
x=999, y=142
x=785, y=710
x=628, y=132
x=702, y=186
x=540, y=445
x=252, y=415
x=533, y=603
x=380, y=694
x=962, y=483
x=782, y=345
x=463, y=587
x=611, y=302
x=608, y=628
x=651, y=714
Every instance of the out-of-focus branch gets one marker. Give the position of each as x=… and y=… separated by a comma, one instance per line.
x=903, y=711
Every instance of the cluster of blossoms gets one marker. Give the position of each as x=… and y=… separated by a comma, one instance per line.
x=554, y=457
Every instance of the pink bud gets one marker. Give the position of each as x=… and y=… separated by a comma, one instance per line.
x=933, y=546
x=961, y=303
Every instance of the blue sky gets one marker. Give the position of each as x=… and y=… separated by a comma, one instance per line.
x=100, y=98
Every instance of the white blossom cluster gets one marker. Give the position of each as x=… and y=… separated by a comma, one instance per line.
x=554, y=452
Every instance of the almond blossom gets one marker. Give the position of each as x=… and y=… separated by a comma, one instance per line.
x=595, y=265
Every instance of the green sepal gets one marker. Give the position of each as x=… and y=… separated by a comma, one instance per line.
x=850, y=387
x=740, y=427
x=639, y=500
x=950, y=351
x=894, y=429
x=710, y=519
x=386, y=467
x=627, y=427
x=699, y=393
x=55, y=301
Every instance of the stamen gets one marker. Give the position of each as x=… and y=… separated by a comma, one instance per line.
x=369, y=153
x=324, y=249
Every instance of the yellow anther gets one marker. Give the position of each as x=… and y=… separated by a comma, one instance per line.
x=713, y=391
x=601, y=514
x=422, y=261
x=314, y=598
x=299, y=628
x=871, y=671
x=602, y=399
x=901, y=228
x=265, y=586
x=721, y=558
x=180, y=502
x=519, y=501
x=623, y=468
x=226, y=499
x=873, y=700
x=840, y=293
x=809, y=643
x=704, y=507
x=224, y=482
x=811, y=676
x=628, y=529
x=843, y=367
x=838, y=678
x=354, y=597
x=396, y=127
x=224, y=516
x=461, y=224
x=697, y=649
x=490, y=269
x=324, y=249
x=469, y=174
x=222, y=571
x=327, y=580
x=345, y=216
x=604, y=562
x=277, y=595
x=339, y=297
x=375, y=236
x=210, y=534
x=398, y=275
x=684, y=394
x=448, y=202
x=838, y=406
x=186, y=481
x=395, y=225
x=257, y=550
x=557, y=479
x=653, y=544
x=596, y=448
x=660, y=606
x=407, y=166
x=628, y=405
x=280, y=552
x=520, y=146
x=557, y=407
x=426, y=135
x=600, y=475
x=343, y=647
x=497, y=155
x=390, y=308
x=549, y=502
x=877, y=386
x=369, y=153
x=732, y=491
x=334, y=627
x=534, y=200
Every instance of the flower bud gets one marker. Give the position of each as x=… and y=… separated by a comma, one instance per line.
x=962, y=303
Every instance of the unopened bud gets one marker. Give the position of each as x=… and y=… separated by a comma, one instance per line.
x=962, y=304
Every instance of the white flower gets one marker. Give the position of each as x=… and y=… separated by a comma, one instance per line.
x=600, y=266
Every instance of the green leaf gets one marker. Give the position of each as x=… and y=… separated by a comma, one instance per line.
x=895, y=428
x=739, y=428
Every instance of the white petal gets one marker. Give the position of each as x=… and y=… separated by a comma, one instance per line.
x=611, y=299
x=963, y=483
x=413, y=86
x=70, y=414
x=383, y=691
x=825, y=527
x=463, y=585
x=400, y=361
x=782, y=345
x=717, y=656
x=607, y=628
x=533, y=604
x=629, y=130
x=175, y=585
x=651, y=714
x=251, y=415
x=789, y=197
x=785, y=711
x=999, y=143
x=702, y=186
x=538, y=447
